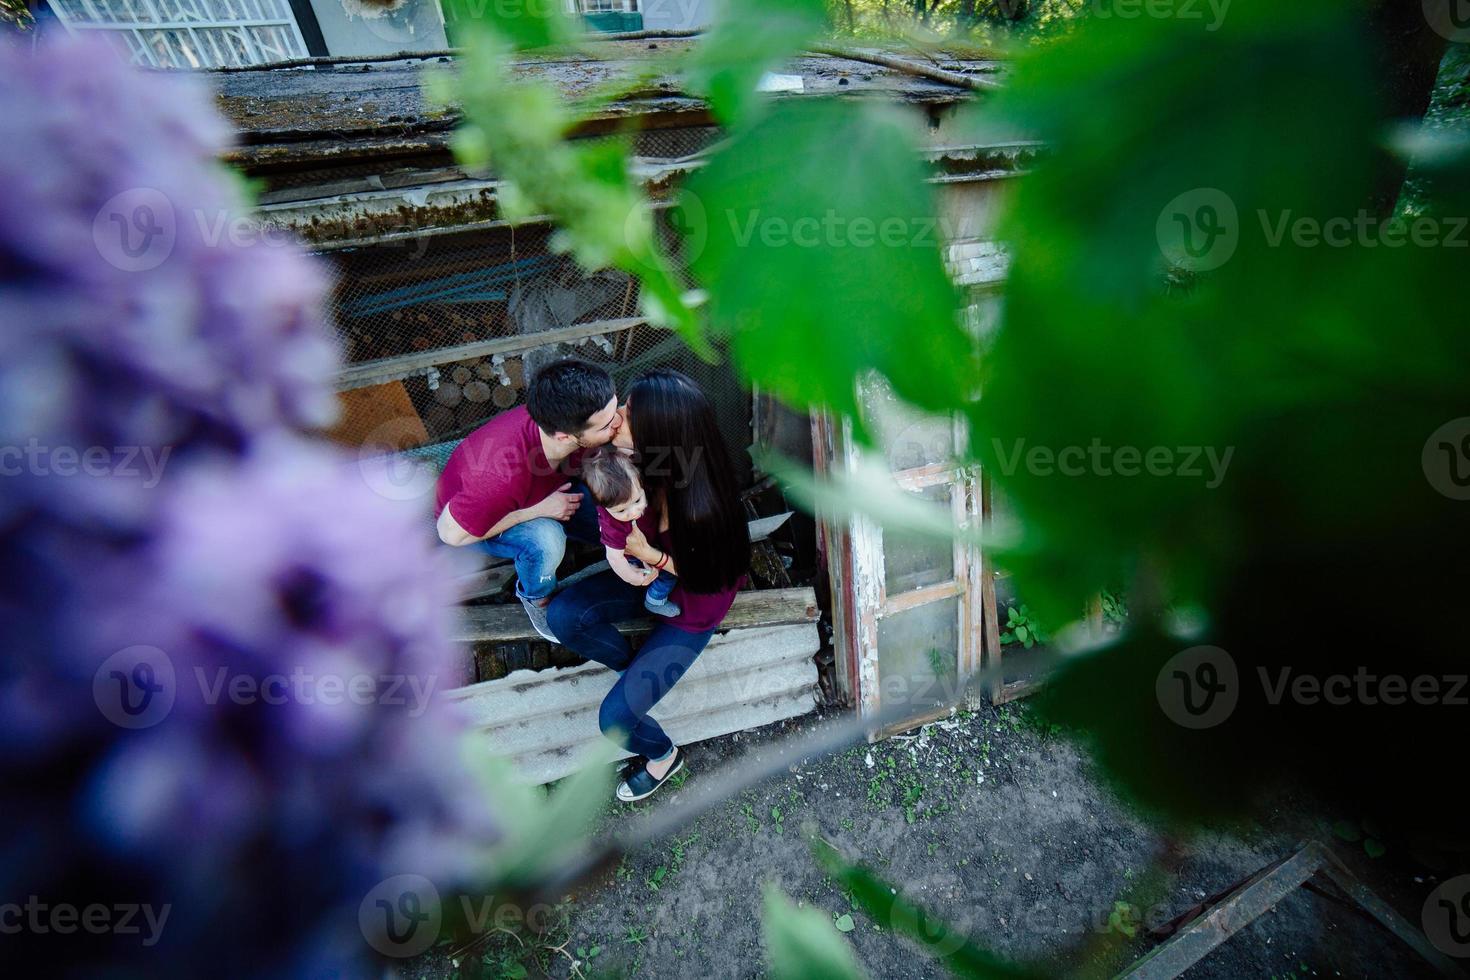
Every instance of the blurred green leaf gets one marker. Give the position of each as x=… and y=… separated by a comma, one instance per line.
x=519, y=129
x=936, y=938
x=822, y=258
x=523, y=24
x=747, y=40
x=544, y=827
x=800, y=943
x=869, y=490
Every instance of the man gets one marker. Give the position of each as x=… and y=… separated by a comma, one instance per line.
x=505, y=487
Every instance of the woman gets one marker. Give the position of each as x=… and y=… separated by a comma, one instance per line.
x=694, y=528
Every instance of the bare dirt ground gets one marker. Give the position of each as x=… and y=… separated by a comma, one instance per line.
x=994, y=824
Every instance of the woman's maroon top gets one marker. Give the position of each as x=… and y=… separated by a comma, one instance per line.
x=699, y=612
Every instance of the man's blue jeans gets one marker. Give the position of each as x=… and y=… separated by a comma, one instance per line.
x=582, y=615
x=537, y=546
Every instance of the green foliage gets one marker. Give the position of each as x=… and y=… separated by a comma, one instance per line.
x=946, y=22
x=750, y=39
x=520, y=128
x=526, y=26
x=1022, y=628
x=1124, y=919
x=801, y=943
x=1114, y=608
x=815, y=214
x=1321, y=370
x=893, y=911
x=543, y=828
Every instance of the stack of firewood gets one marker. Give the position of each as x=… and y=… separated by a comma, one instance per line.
x=469, y=391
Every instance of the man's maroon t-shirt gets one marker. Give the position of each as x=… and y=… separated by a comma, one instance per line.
x=699, y=612
x=498, y=468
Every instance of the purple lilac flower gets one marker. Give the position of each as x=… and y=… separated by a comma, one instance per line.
x=136, y=768
x=131, y=317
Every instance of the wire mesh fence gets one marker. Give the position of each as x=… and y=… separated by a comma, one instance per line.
x=441, y=332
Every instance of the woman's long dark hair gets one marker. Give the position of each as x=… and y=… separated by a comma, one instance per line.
x=686, y=465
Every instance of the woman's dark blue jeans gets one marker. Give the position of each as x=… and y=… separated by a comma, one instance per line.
x=582, y=616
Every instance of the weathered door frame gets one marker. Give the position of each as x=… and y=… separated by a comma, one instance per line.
x=853, y=547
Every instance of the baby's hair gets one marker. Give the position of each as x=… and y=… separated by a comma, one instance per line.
x=610, y=475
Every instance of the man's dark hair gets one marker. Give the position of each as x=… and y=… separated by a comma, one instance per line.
x=564, y=395
x=609, y=475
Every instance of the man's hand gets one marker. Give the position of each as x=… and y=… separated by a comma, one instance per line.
x=559, y=505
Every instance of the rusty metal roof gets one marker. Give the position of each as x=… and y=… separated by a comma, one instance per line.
x=321, y=116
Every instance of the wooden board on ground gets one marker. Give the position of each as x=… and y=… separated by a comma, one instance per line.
x=764, y=607
x=384, y=410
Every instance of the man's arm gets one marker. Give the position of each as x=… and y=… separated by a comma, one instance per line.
x=452, y=534
x=558, y=505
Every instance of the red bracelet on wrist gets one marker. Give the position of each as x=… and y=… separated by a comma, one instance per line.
x=662, y=562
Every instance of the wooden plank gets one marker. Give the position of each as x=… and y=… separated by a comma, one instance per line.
x=1338, y=873
x=765, y=607
x=1223, y=920
x=407, y=365
x=485, y=583
x=763, y=527
x=922, y=597
x=372, y=411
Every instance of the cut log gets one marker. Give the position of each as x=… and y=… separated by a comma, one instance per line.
x=477, y=392
x=448, y=394
x=504, y=396
x=439, y=419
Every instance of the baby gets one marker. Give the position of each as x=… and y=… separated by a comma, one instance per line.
x=613, y=480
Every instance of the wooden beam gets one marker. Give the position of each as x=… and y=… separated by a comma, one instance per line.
x=407, y=365
x=764, y=607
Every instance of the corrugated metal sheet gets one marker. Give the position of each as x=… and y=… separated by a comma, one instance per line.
x=546, y=721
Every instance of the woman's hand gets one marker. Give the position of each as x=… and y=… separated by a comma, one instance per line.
x=637, y=545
